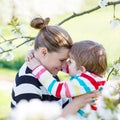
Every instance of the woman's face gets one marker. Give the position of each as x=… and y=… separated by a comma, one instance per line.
x=54, y=61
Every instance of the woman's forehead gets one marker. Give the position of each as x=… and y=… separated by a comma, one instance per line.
x=62, y=54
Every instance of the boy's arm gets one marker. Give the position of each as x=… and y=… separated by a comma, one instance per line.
x=70, y=88
x=62, y=89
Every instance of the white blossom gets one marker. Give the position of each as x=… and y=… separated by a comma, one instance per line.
x=102, y=3
x=106, y=109
x=115, y=77
x=109, y=88
x=9, y=45
x=22, y=29
x=39, y=110
x=18, y=35
x=36, y=110
x=87, y=108
x=118, y=115
x=1, y=50
x=92, y=115
x=102, y=110
x=117, y=66
x=115, y=23
x=72, y=117
x=19, y=31
x=8, y=56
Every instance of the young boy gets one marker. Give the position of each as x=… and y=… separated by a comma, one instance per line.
x=87, y=65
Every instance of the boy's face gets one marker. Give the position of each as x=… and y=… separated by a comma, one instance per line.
x=72, y=66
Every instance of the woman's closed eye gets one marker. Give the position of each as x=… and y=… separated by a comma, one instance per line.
x=63, y=60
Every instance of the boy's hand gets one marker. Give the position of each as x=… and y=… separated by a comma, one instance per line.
x=30, y=55
x=33, y=63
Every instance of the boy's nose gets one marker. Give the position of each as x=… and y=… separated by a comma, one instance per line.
x=64, y=64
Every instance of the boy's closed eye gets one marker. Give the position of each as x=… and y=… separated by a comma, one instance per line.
x=69, y=61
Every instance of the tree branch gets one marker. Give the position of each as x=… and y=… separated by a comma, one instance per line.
x=110, y=74
x=16, y=46
x=12, y=39
x=87, y=12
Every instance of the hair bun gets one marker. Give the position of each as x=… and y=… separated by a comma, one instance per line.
x=39, y=23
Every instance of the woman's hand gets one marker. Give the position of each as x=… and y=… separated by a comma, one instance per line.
x=81, y=101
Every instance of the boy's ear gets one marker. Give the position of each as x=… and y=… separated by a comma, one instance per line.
x=83, y=69
x=44, y=51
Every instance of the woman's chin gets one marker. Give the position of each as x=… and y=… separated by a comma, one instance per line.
x=55, y=73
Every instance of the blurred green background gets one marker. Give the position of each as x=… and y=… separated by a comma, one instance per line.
x=94, y=26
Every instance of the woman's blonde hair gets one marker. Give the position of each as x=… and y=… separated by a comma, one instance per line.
x=51, y=37
x=91, y=55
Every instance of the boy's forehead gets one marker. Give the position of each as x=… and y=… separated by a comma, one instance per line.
x=71, y=55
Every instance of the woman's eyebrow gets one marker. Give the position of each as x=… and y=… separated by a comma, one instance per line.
x=62, y=59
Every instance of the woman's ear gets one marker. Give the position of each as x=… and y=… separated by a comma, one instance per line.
x=44, y=51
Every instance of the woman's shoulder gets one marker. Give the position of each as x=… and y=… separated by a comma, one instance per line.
x=25, y=76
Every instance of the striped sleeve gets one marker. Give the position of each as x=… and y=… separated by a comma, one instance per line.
x=74, y=87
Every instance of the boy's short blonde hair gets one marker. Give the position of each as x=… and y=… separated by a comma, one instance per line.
x=91, y=55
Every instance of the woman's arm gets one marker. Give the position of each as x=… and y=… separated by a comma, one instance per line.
x=79, y=102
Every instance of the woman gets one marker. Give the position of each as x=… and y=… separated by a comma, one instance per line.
x=51, y=49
